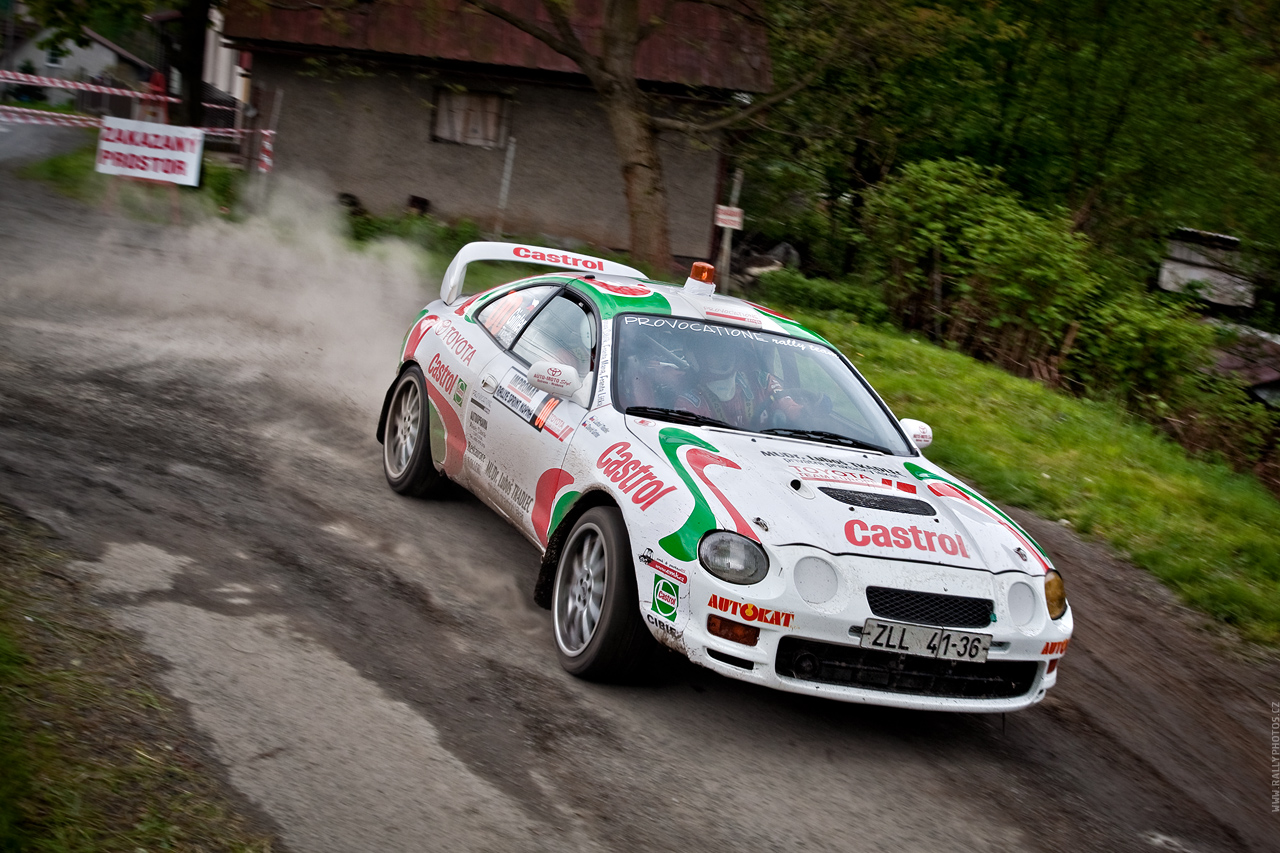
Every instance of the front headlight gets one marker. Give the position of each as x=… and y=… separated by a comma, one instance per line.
x=733, y=557
x=1055, y=594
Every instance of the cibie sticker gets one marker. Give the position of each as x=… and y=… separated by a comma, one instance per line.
x=666, y=598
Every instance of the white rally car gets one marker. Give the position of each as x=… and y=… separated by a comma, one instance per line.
x=702, y=471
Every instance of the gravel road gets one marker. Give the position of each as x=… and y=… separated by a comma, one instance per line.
x=192, y=408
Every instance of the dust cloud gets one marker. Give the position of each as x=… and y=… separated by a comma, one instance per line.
x=282, y=294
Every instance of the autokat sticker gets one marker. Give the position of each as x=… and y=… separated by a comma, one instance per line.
x=751, y=612
x=533, y=406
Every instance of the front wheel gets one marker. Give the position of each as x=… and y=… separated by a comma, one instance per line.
x=406, y=447
x=595, y=607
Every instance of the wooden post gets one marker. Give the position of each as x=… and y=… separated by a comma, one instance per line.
x=726, y=236
x=505, y=188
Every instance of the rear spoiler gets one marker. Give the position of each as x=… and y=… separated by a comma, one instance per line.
x=451, y=287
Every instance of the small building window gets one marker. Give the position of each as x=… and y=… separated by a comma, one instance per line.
x=53, y=56
x=471, y=118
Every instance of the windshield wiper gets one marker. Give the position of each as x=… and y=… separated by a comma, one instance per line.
x=829, y=437
x=678, y=416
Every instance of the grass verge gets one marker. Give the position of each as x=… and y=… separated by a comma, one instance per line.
x=1209, y=533
x=72, y=174
x=92, y=757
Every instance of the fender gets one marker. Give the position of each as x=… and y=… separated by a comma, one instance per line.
x=381, y=432
x=545, y=584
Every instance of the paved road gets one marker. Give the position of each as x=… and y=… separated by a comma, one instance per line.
x=193, y=410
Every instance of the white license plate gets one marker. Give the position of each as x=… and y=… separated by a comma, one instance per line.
x=924, y=641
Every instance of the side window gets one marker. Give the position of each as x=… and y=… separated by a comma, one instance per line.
x=505, y=316
x=563, y=332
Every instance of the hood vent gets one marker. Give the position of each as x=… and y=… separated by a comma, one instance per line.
x=888, y=503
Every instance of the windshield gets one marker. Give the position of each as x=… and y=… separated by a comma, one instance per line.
x=705, y=373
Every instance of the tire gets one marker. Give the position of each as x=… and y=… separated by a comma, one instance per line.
x=595, y=611
x=406, y=447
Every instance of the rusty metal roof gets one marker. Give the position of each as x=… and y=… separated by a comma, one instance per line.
x=701, y=45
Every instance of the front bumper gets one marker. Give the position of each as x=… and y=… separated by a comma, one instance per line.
x=815, y=647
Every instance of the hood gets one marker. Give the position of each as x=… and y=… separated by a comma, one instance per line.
x=783, y=491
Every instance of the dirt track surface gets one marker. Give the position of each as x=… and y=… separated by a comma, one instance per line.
x=193, y=409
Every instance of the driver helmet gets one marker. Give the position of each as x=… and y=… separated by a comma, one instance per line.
x=713, y=357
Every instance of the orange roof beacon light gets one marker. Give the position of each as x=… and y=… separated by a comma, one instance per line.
x=701, y=280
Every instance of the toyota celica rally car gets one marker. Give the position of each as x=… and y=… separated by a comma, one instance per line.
x=701, y=471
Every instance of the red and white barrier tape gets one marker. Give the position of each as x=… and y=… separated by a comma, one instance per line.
x=57, y=83
x=20, y=115
x=233, y=132
x=23, y=115
x=266, y=154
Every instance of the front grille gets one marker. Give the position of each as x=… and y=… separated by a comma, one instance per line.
x=929, y=608
x=873, y=669
x=888, y=503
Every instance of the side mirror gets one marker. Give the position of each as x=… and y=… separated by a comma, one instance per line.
x=920, y=433
x=562, y=380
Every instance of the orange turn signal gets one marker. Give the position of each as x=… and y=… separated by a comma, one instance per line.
x=747, y=635
x=703, y=271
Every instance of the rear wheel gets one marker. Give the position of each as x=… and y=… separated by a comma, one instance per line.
x=595, y=608
x=406, y=446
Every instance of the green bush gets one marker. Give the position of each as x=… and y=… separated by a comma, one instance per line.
x=425, y=231
x=222, y=183
x=1138, y=347
x=963, y=260
x=790, y=288
x=27, y=93
x=1154, y=355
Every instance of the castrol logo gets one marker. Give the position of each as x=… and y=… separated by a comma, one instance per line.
x=860, y=533
x=441, y=374
x=633, y=477
x=524, y=253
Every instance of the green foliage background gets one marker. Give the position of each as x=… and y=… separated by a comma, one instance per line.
x=1005, y=175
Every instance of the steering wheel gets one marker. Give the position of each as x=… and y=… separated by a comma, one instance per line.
x=791, y=404
x=670, y=356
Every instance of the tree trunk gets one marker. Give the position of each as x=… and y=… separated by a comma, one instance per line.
x=637, y=142
x=195, y=32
